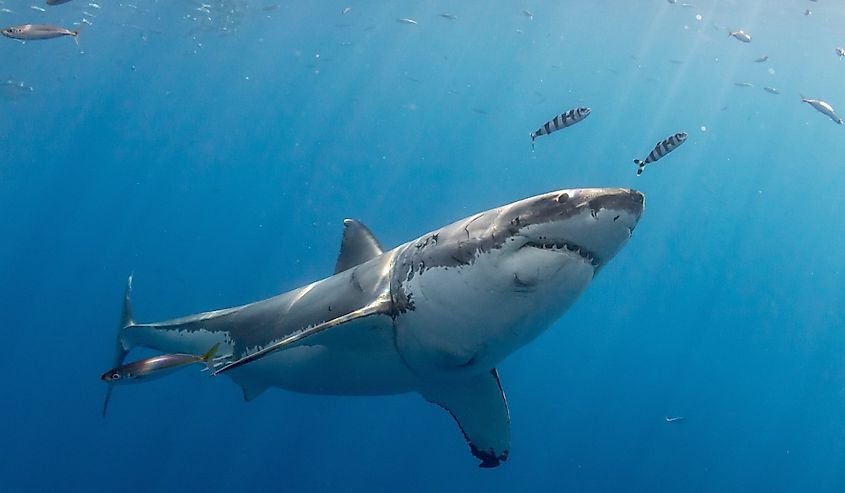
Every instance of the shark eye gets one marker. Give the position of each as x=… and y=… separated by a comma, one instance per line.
x=115, y=376
x=563, y=197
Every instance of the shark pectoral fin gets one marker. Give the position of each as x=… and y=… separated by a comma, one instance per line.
x=357, y=246
x=381, y=305
x=480, y=409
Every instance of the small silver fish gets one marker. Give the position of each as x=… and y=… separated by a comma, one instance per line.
x=808, y=12
x=57, y=2
x=529, y=14
x=346, y=10
x=446, y=15
x=743, y=84
x=675, y=419
x=563, y=120
x=157, y=366
x=661, y=149
x=824, y=108
x=762, y=59
x=740, y=35
x=406, y=21
x=36, y=7
x=28, y=32
x=840, y=52
x=771, y=90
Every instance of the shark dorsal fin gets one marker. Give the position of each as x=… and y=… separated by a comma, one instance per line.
x=357, y=246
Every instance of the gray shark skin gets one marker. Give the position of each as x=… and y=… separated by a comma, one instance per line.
x=434, y=315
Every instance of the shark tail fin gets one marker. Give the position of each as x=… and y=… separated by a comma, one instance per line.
x=208, y=357
x=120, y=351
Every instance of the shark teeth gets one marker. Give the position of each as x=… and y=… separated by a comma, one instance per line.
x=561, y=246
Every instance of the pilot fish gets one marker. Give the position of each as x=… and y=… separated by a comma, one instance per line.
x=823, y=107
x=28, y=32
x=563, y=120
x=157, y=366
x=660, y=150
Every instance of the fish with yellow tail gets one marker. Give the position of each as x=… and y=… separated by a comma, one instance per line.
x=157, y=366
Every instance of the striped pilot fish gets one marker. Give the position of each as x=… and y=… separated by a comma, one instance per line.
x=157, y=366
x=660, y=150
x=563, y=120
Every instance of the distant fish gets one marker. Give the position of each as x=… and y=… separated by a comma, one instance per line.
x=673, y=2
x=157, y=366
x=840, y=52
x=529, y=14
x=771, y=90
x=345, y=10
x=36, y=7
x=675, y=419
x=28, y=32
x=743, y=84
x=762, y=59
x=563, y=120
x=808, y=12
x=449, y=16
x=823, y=107
x=12, y=89
x=740, y=35
x=661, y=149
x=57, y=2
x=406, y=21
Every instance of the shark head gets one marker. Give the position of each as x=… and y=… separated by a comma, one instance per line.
x=469, y=294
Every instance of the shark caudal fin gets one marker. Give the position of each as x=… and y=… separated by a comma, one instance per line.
x=120, y=351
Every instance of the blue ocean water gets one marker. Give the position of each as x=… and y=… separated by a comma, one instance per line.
x=214, y=150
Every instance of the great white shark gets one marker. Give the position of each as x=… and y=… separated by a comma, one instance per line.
x=434, y=315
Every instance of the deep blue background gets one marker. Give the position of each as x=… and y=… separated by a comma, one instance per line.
x=217, y=159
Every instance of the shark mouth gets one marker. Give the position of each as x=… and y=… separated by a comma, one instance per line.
x=562, y=246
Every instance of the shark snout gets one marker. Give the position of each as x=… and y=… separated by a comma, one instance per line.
x=625, y=200
x=598, y=221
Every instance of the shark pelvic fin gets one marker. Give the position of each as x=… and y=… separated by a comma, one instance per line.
x=480, y=409
x=120, y=352
x=382, y=305
x=252, y=390
x=357, y=246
